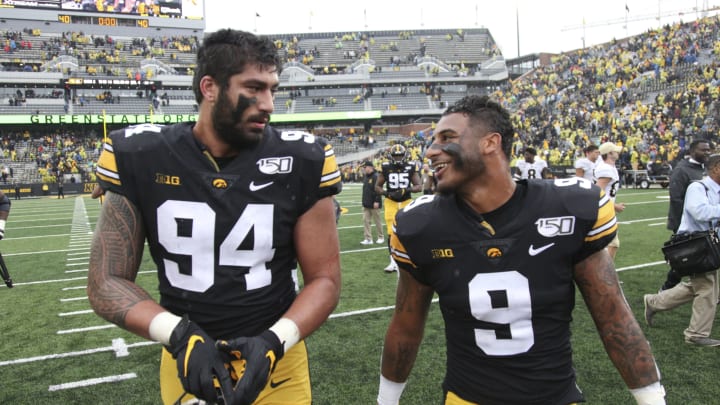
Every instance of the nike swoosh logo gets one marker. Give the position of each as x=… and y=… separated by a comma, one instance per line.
x=534, y=252
x=191, y=345
x=256, y=187
x=275, y=384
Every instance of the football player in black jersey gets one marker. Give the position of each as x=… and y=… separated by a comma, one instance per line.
x=504, y=259
x=230, y=208
x=402, y=179
x=4, y=213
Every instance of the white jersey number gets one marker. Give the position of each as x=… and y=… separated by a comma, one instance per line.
x=397, y=181
x=199, y=244
x=503, y=299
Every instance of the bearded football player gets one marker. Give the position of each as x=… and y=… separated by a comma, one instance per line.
x=230, y=208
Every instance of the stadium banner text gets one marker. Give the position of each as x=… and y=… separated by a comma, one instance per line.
x=124, y=119
x=132, y=119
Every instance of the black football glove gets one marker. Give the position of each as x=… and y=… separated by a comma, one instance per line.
x=261, y=354
x=398, y=195
x=201, y=367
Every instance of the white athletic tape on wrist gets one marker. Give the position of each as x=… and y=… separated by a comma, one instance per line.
x=390, y=391
x=653, y=394
x=287, y=332
x=162, y=326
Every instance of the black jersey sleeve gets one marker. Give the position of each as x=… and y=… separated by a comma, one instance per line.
x=131, y=139
x=589, y=202
x=319, y=169
x=410, y=223
x=330, y=181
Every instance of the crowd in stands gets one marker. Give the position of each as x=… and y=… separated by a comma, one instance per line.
x=53, y=154
x=598, y=94
x=13, y=41
x=652, y=94
x=96, y=54
x=649, y=94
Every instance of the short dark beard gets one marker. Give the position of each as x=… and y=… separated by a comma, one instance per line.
x=228, y=121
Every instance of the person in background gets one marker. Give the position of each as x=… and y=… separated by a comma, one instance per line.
x=338, y=210
x=427, y=180
x=230, y=208
x=4, y=213
x=504, y=257
x=585, y=166
x=60, y=184
x=371, y=203
x=531, y=167
x=607, y=178
x=700, y=212
x=402, y=179
x=685, y=172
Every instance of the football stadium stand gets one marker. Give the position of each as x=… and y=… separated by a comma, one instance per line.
x=68, y=76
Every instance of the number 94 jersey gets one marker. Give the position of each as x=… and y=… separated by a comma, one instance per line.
x=505, y=283
x=222, y=239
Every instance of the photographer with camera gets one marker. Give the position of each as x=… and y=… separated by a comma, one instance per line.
x=686, y=171
x=701, y=212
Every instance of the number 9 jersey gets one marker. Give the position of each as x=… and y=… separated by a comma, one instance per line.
x=222, y=238
x=505, y=284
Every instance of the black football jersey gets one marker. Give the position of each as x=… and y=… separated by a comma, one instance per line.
x=398, y=176
x=505, y=284
x=222, y=239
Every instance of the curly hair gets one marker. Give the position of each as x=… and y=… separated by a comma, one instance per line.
x=488, y=114
x=226, y=52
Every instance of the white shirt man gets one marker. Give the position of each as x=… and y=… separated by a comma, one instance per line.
x=608, y=178
x=585, y=166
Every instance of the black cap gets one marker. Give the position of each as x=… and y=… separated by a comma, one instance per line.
x=368, y=163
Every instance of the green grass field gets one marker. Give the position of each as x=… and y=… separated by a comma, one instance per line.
x=55, y=350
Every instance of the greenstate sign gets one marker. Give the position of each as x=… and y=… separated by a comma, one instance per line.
x=125, y=119
x=132, y=119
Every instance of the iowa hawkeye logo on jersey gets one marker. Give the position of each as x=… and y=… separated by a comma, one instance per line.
x=557, y=226
x=492, y=249
x=220, y=183
x=493, y=252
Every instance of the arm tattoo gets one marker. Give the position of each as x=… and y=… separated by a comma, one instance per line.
x=412, y=303
x=117, y=250
x=620, y=332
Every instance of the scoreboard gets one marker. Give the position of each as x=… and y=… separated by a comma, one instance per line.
x=103, y=21
x=184, y=9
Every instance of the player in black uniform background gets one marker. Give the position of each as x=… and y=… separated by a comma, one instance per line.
x=504, y=259
x=4, y=213
x=229, y=207
x=402, y=179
